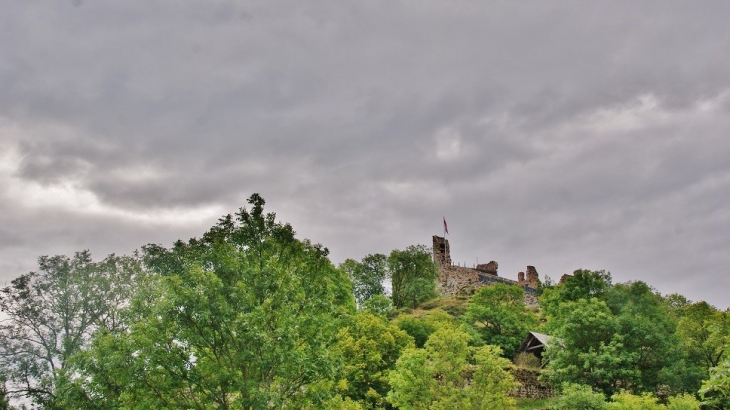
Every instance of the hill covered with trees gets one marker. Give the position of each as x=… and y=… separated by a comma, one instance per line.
x=250, y=317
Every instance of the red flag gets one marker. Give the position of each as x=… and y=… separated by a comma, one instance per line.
x=446, y=228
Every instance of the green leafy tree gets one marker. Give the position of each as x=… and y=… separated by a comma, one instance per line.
x=583, y=284
x=243, y=318
x=499, y=315
x=369, y=347
x=421, y=327
x=588, y=349
x=367, y=276
x=448, y=374
x=705, y=332
x=417, y=328
x=683, y=402
x=51, y=314
x=579, y=397
x=715, y=391
x=628, y=401
x=648, y=332
x=413, y=276
x=636, y=347
x=379, y=305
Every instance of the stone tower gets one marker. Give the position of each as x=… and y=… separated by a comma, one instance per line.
x=441, y=252
x=532, y=280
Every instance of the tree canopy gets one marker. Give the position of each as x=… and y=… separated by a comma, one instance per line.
x=51, y=315
x=242, y=318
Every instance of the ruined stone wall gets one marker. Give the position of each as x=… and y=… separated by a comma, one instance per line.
x=530, y=386
x=532, y=279
x=441, y=252
x=455, y=279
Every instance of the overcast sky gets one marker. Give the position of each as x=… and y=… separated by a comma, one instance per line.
x=562, y=135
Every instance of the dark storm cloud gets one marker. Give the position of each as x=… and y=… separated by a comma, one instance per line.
x=561, y=135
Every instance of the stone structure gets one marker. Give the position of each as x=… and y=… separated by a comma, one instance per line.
x=490, y=268
x=455, y=279
x=530, y=385
x=441, y=252
x=532, y=280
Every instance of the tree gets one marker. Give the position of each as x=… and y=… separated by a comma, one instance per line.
x=579, y=397
x=369, y=347
x=583, y=284
x=588, y=348
x=705, y=332
x=499, y=315
x=379, y=305
x=51, y=315
x=715, y=391
x=637, y=346
x=367, y=276
x=628, y=401
x=417, y=328
x=448, y=374
x=413, y=276
x=648, y=331
x=243, y=318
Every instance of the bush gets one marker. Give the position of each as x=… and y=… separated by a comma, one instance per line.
x=579, y=397
x=419, y=329
x=683, y=402
x=628, y=401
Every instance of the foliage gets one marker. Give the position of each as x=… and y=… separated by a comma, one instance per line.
x=422, y=327
x=583, y=284
x=683, y=402
x=628, y=401
x=379, y=305
x=448, y=374
x=579, y=397
x=367, y=276
x=534, y=404
x=715, y=391
x=648, y=333
x=369, y=347
x=51, y=315
x=703, y=332
x=588, y=350
x=417, y=328
x=499, y=315
x=413, y=276
x=626, y=337
x=243, y=318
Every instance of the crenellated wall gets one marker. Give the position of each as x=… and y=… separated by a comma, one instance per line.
x=455, y=279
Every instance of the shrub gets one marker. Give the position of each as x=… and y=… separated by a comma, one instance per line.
x=628, y=401
x=683, y=402
x=579, y=397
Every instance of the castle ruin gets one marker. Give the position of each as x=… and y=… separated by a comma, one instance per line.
x=454, y=279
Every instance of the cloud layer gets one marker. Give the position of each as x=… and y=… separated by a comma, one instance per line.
x=572, y=135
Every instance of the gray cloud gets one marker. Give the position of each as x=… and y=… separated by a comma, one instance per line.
x=560, y=135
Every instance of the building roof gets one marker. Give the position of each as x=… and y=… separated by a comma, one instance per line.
x=535, y=342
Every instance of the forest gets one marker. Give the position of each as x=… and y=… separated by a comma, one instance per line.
x=248, y=316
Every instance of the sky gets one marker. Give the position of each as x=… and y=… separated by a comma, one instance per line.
x=562, y=135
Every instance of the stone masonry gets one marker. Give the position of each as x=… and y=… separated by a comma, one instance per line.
x=455, y=279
